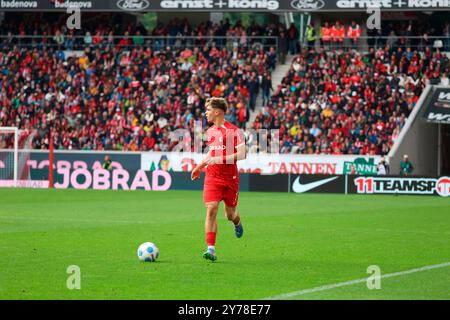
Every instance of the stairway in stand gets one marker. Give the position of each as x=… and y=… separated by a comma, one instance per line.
x=277, y=76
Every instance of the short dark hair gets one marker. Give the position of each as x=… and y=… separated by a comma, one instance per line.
x=217, y=103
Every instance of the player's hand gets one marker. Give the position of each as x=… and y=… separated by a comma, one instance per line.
x=195, y=174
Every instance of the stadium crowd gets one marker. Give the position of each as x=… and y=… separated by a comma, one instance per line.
x=39, y=30
x=347, y=102
x=114, y=99
x=399, y=34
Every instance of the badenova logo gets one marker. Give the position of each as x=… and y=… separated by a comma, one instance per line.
x=14, y=4
x=73, y=4
x=133, y=5
x=307, y=5
x=374, y=185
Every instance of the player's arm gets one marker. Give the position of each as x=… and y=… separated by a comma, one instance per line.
x=195, y=174
x=241, y=154
x=241, y=151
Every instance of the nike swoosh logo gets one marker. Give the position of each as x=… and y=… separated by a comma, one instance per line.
x=297, y=187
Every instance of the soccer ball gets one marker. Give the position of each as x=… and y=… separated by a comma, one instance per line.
x=148, y=252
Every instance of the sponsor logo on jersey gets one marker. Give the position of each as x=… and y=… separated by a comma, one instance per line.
x=222, y=147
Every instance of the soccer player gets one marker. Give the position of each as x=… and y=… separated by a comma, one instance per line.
x=226, y=146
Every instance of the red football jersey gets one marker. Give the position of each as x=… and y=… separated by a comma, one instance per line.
x=224, y=141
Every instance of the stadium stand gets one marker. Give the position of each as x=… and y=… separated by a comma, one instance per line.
x=124, y=96
x=99, y=91
x=349, y=103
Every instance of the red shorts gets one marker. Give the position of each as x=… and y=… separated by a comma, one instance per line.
x=216, y=190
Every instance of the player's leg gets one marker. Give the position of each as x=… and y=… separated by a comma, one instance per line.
x=233, y=215
x=231, y=197
x=211, y=222
x=211, y=229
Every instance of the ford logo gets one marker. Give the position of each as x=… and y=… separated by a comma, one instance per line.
x=133, y=5
x=307, y=5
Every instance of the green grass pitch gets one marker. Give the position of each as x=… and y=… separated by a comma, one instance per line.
x=291, y=242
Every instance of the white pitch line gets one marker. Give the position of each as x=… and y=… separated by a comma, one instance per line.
x=349, y=283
